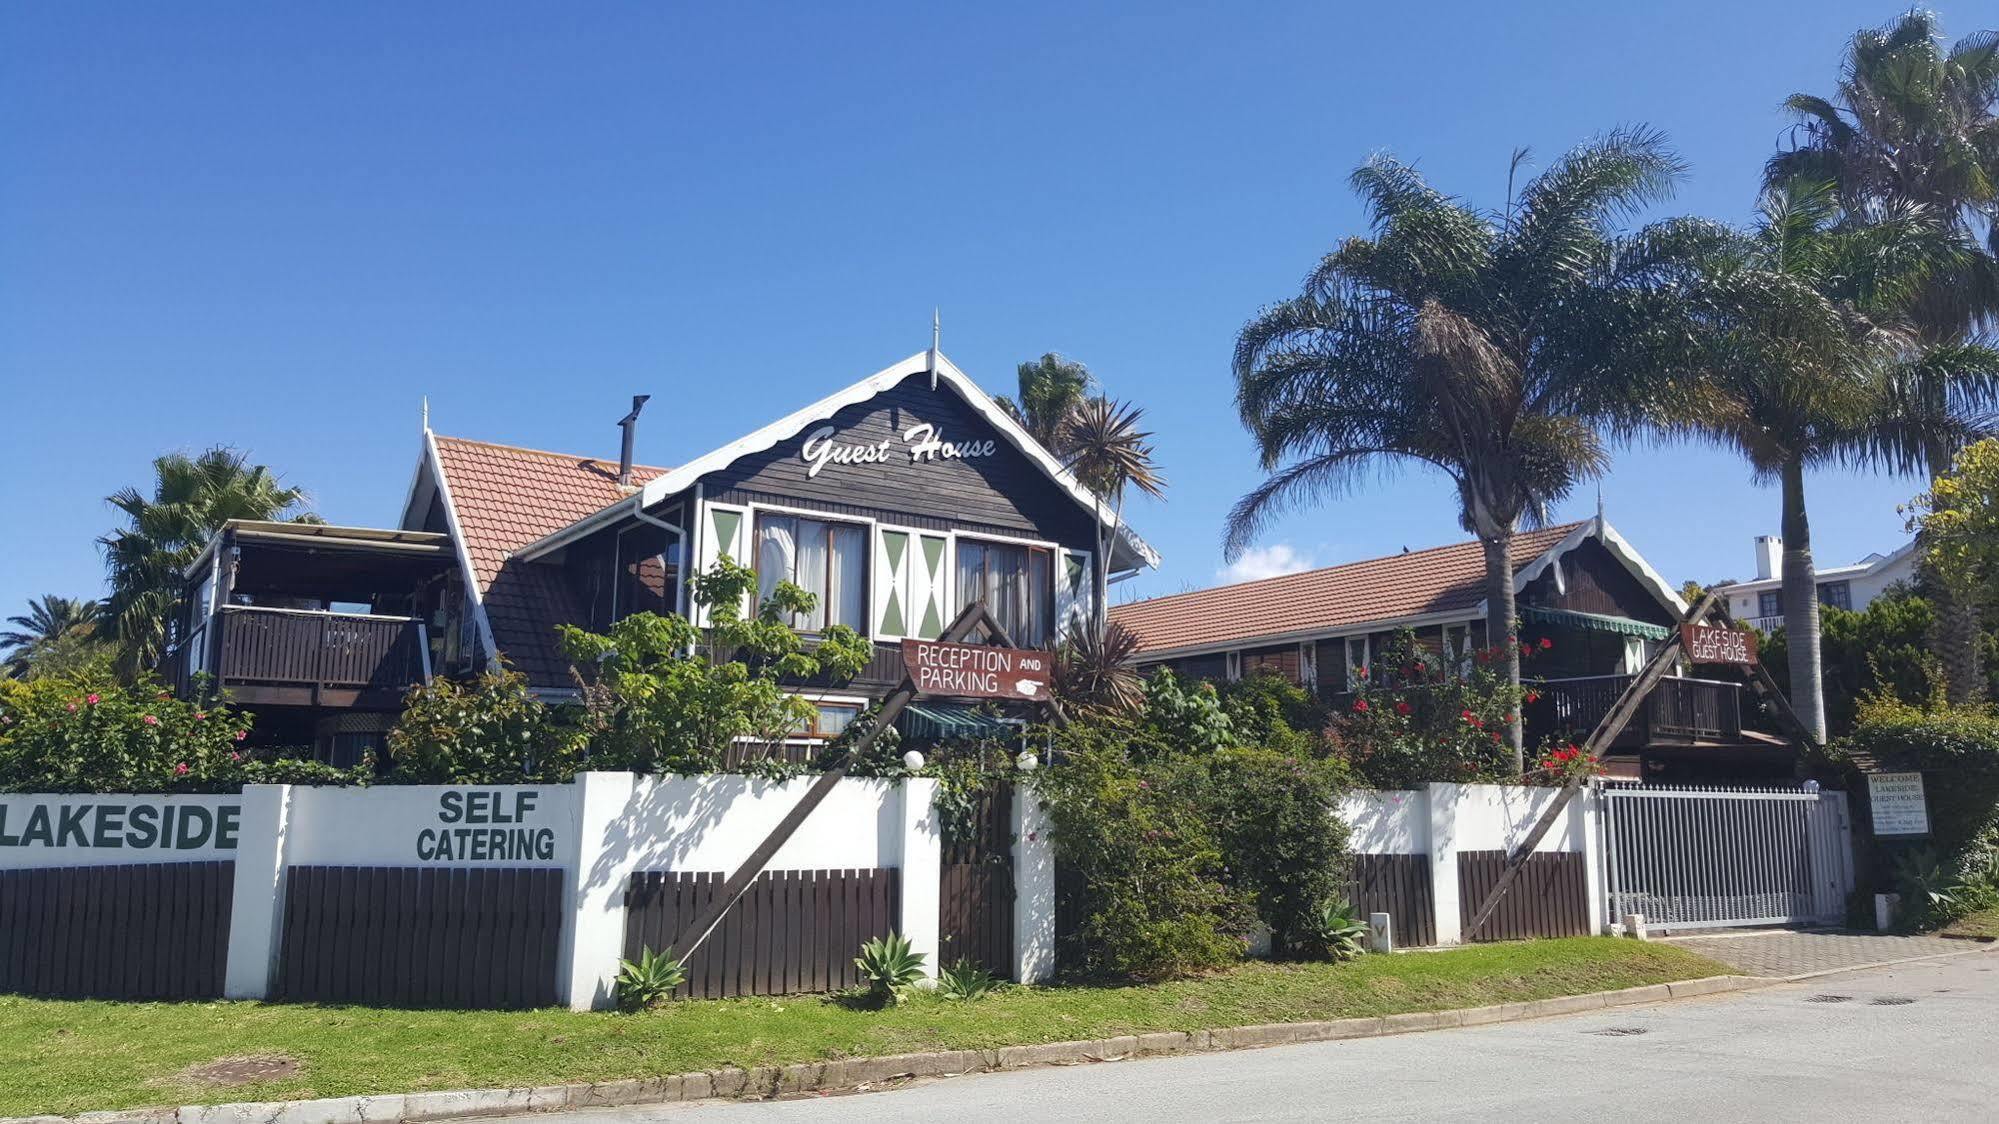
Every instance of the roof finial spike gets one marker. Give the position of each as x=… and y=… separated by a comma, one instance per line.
x=426, y=413
x=936, y=334
x=1599, y=504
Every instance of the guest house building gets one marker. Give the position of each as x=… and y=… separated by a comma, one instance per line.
x=897, y=500
x=1580, y=586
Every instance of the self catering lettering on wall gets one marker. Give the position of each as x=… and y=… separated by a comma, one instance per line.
x=114, y=825
x=485, y=827
x=923, y=443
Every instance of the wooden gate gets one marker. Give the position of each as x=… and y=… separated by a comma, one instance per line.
x=791, y=931
x=147, y=931
x=421, y=936
x=1398, y=885
x=976, y=892
x=1550, y=898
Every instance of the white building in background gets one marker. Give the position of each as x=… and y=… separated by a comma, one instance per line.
x=1761, y=601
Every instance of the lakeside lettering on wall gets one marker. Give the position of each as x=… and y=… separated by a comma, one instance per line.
x=486, y=826
x=118, y=823
x=925, y=446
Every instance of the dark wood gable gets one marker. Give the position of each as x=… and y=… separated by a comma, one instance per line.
x=1003, y=492
x=1596, y=582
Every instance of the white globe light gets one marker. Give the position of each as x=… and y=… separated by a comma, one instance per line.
x=913, y=760
x=1027, y=761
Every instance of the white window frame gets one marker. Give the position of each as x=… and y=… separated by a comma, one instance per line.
x=1055, y=555
x=755, y=510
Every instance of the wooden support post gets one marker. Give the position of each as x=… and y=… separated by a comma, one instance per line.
x=1606, y=732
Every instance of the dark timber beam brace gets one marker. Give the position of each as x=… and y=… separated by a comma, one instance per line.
x=698, y=931
x=1606, y=732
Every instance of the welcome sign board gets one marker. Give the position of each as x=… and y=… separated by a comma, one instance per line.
x=96, y=829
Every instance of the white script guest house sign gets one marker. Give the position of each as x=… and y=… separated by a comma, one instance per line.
x=921, y=442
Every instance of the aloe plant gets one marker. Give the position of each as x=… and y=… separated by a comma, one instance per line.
x=650, y=980
x=890, y=966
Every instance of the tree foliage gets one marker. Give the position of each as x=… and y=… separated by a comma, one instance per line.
x=192, y=497
x=1494, y=347
x=55, y=632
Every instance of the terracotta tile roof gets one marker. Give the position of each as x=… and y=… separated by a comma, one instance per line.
x=506, y=498
x=1437, y=580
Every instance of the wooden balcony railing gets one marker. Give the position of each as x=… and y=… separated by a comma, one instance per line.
x=324, y=649
x=1676, y=710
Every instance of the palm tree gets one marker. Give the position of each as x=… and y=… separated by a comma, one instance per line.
x=1493, y=347
x=1801, y=320
x=1912, y=124
x=50, y=621
x=1109, y=453
x=192, y=498
x=1051, y=389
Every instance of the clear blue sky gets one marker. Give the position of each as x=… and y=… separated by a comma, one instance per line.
x=279, y=226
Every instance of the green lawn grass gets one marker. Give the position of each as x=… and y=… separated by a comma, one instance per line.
x=67, y=1057
x=1983, y=924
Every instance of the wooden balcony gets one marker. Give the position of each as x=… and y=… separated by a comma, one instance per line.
x=306, y=658
x=1678, y=711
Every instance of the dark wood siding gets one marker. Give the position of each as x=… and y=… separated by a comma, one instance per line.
x=421, y=937
x=791, y=931
x=1398, y=885
x=1596, y=582
x=1002, y=493
x=1550, y=898
x=151, y=931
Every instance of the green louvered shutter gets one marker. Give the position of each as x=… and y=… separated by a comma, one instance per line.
x=931, y=585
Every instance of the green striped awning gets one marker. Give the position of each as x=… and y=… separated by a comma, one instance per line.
x=1593, y=622
x=940, y=721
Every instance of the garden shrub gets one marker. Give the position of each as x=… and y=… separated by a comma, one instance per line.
x=491, y=730
x=1146, y=876
x=89, y=732
x=1275, y=819
x=1186, y=718
x=1415, y=721
x=1268, y=710
x=1956, y=748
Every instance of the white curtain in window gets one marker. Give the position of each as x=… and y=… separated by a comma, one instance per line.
x=846, y=598
x=811, y=571
x=777, y=553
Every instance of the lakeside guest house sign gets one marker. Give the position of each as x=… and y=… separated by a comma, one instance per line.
x=976, y=671
x=921, y=443
x=1704, y=644
x=1897, y=802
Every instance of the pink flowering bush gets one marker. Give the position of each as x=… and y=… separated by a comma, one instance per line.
x=87, y=732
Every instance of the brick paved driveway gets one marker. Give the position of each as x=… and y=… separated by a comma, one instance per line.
x=1787, y=953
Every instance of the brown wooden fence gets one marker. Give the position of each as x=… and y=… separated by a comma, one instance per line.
x=1549, y=899
x=421, y=937
x=1398, y=885
x=792, y=931
x=148, y=931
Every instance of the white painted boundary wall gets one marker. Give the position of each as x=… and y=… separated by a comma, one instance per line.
x=1441, y=820
x=599, y=829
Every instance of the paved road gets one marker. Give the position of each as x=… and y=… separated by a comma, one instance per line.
x=1911, y=1042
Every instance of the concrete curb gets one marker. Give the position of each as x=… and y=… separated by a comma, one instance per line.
x=770, y=1081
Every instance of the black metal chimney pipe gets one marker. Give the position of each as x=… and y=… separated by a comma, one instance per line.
x=630, y=424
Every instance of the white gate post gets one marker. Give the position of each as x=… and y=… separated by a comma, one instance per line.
x=1443, y=800
x=256, y=909
x=1034, y=889
x=922, y=861
x=593, y=927
x=1590, y=810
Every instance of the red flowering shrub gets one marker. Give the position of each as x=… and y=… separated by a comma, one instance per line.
x=1563, y=763
x=1416, y=720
